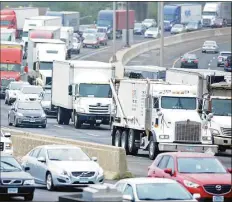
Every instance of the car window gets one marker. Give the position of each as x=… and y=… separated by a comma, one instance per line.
x=42, y=153
x=120, y=187
x=157, y=160
x=163, y=162
x=31, y=153
x=35, y=153
x=170, y=164
x=129, y=191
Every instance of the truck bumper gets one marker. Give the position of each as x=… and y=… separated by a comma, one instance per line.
x=95, y=118
x=223, y=141
x=188, y=147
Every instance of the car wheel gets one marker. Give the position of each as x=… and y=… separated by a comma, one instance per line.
x=29, y=197
x=15, y=122
x=78, y=51
x=218, y=65
x=9, y=123
x=49, y=182
x=153, y=149
x=44, y=126
x=124, y=141
x=132, y=149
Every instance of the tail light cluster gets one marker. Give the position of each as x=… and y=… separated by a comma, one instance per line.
x=195, y=61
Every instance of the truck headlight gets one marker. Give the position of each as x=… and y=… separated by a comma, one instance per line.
x=81, y=110
x=8, y=145
x=29, y=182
x=190, y=184
x=164, y=136
x=214, y=132
x=206, y=138
x=63, y=172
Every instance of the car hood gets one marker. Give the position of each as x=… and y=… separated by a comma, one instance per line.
x=16, y=175
x=147, y=23
x=209, y=178
x=222, y=121
x=176, y=29
x=14, y=91
x=151, y=32
x=73, y=166
x=89, y=41
x=31, y=112
x=36, y=96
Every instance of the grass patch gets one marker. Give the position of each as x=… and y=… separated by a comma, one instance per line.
x=124, y=176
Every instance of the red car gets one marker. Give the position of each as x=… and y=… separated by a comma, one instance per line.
x=102, y=38
x=200, y=173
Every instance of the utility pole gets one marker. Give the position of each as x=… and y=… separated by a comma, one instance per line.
x=162, y=34
x=127, y=25
x=114, y=58
x=158, y=14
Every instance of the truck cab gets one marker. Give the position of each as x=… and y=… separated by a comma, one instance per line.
x=171, y=16
x=8, y=19
x=210, y=13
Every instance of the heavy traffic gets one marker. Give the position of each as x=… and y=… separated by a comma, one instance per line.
x=179, y=117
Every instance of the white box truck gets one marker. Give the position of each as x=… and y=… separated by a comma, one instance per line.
x=41, y=53
x=66, y=35
x=38, y=21
x=81, y=92
x=191, y=13
x=45, y=32
x=157, y=116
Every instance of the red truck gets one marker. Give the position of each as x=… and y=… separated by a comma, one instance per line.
x=11, y=62
x=13, y=18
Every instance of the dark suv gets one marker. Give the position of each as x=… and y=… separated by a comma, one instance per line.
x=227, y=66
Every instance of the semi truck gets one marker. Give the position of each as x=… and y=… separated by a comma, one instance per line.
x=84, y=95
x=14, y=18
x=45, y=32
x=66, y=35
x=146, y=118
x=41, y=53
x=105, y=19
x=214, y=10
x=38, y=21
x=181, y=14
x=11, y=64
x=8, y=34
x=69, y=18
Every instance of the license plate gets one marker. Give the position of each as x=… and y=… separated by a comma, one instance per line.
x=12, y=190
x=32, y=120
x=84, y=180
x=218, y=198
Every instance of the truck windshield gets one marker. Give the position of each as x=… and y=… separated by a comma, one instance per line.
x=10, y=67
x=221, y=107
x=169, y=17
x=95, y=90
x=209, y=13
x=168, y=102
x=5, y=37
x=104, y=23
x=5, y=22
x=46, y=66
x=25, y=34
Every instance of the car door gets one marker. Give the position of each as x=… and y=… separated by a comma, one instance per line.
x=153, y=167
x=170, y=165
x=159, y=171
x=129, y=191
x=32, y=160
x=41, y=167
x=12, y=112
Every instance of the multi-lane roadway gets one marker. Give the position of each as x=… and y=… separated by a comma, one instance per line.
x=137, y=165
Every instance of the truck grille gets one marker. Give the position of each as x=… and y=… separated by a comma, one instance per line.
x=217, y=188
x=226, y=131
x=99, y=109
x=1, y=146
x=83, y=174
x=206, y=21
x=188, y=131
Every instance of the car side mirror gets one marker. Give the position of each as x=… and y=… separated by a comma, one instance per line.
x=159, y=113
x=94, y=159
x=168, y=171
x=8, y=135
x=229, y=170
x=127, y=198
x=41, y=159
x=26, y=169
x=196, y=196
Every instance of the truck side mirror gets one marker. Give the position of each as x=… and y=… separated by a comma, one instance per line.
x=70, y=90
x=26, y=69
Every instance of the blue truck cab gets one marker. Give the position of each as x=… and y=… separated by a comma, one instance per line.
x=172, y=16
x=105, y=19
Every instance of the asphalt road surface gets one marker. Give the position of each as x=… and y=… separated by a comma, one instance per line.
x=137, y=165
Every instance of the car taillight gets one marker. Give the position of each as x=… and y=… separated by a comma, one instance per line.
x=227, y=64
x=195, y=61
x=183, y=60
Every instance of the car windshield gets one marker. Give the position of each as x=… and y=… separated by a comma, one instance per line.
x=101, y=35
x=10, y=67
x=218, y=21
x=158, y=191
x=225, y=53
x=148, y=20
x=16, y=85
x=178, y=103
x=5, y=22
x=67, y=155
x=200, y=165
x=90, y=31
x=90, y=37
x=178, y=26
x=209, y=43
x=169, y=17
x=32, y=90
x=29, y=106
x=47, y=97
x=212, y=13
x=221, y=107
x=95, y=90
x=190, y=56
x=25, y=34
x=9, y=164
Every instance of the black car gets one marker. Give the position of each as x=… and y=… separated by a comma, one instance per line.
x=27, y=113
x=189, y=61
x=14, y=181
x=228, y=67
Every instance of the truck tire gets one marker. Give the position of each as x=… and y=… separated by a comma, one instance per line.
x=153, y=149
x=67, y=117
x=124, y=141
x=113, y=137
x=60, y=118
x=118, y=138
x=132, y=149
x=77, y=122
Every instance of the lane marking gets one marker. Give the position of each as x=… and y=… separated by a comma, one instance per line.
x=93, y=135
x=191, y=51
x=58, y=126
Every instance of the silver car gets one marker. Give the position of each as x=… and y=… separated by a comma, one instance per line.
x=62, y=166
x=177, y=29
x=91, y=40
x=46, y=102
x=154, y=189
x=222, y=57
x=210, y=46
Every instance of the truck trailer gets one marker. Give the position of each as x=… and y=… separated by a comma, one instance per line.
x=146, y=118
x=45, y=32
x=84, y=95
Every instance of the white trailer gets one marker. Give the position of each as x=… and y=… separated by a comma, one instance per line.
x=191, y=13
x=41, y=53
x=66, y=35
x=38, y=21
x=45, y=31
x=81, y=91
x=8, y=34
x=157, y=116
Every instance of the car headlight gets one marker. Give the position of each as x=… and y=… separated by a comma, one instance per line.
x=206, y=138
x=190, y=184
x=63, y=172
x=19, y=114
x=214, y=132
x=29, y=182
x=100, y=171
x=43, y=115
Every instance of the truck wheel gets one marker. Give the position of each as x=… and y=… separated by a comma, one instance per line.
x=113, y=137
x=98, y=124
x=152, y=149
x=132, y=149
x=77, y=122
x=60, y=119
x=124, y=141
x=118, y=138
x=66, y=118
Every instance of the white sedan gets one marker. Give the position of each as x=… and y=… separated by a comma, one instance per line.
x=152, y=32
x=177, y=29
x=30, y=93
x=210, y=46
x=154, y=189
x=6, y=143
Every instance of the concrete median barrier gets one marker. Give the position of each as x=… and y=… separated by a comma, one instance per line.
x=112, y=159
x=127, y=54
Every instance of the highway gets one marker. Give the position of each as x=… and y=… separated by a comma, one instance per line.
x=137, y=165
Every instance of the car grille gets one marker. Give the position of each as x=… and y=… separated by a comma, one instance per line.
x=1, y=146
x=226, y=131
x=83, y=174
x=217, y=189
x=12, y=182
x=98, y=109
x=187, y=131
x=32, y=117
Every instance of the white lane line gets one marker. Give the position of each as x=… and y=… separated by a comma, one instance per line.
x=58, y=126
x=135, y=61
x=93, y=135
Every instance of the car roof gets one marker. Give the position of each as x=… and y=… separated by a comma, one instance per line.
x=142, y=180
x=189, y=154
x=53, y=146
x=210, y=42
